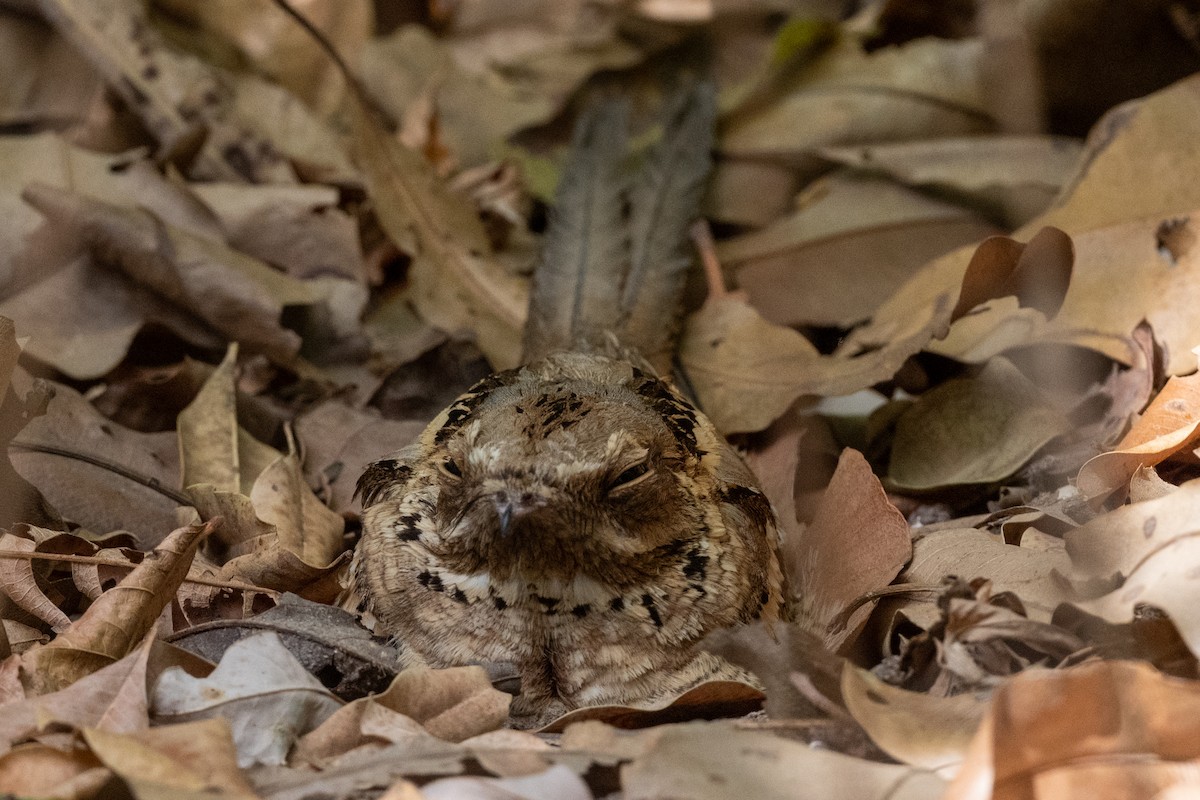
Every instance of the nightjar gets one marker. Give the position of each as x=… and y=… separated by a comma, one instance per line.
x=578, y=517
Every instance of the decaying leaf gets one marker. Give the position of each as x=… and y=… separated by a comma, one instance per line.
x=121, y=618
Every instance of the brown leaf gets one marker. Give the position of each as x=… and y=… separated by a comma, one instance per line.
x=114, y=697
x=172, y=92
x=845, y=250
x=849, y=96
x=113, y=625
x=91, y=495
x=1107, y=729
x=339, y=441
x=1037, y=272
x=1019, y=174
x=709, y=700
x=1142, y=554
x=38, y=770
x=857, y=542
x=18, y=582
x=457, y=286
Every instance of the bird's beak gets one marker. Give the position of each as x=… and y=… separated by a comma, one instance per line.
x=511, y=507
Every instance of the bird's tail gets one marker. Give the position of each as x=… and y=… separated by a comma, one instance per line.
x=616, y=254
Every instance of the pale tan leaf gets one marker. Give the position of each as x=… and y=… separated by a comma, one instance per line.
x=189, y=761
x=257, y=679
x=913, y=727
x=702, y=761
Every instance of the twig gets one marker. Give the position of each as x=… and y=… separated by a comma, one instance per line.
x=112, y=562
x=839, y=622
x=137, y=477
x=703, y=239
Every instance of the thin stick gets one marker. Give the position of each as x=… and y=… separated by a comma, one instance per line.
x=839, y=622
x=703, y=239
x=112, y=562
x=137, y=477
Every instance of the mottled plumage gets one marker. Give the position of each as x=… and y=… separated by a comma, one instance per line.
x=577, y=517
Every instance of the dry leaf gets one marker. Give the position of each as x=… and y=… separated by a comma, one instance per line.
x=185, y=761
x=973, y=430
x=1169, y=425
x=842, y=253
x=969, y=553
x=238, y=296
x=703, y=762
x=121, y=618
x=555, y=783
x=38, y=770
x=1110, y=729
x=94, y=496
x=913, y=727
x=1037, y=272
x=457, y=286
x=1018, y=174
x=856, y=543
x=847, y=96
x=257, y=680
x=1142, y=554
x=709, y=700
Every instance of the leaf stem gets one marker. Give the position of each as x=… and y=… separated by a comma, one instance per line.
x=112, y=466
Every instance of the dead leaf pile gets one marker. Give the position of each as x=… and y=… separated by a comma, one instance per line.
x=950, y=321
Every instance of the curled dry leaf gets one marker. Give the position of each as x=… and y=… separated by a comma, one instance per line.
x=1037, y=272
x=1146, y=553
x=915, y=728
x=857, y=542
x=1106, y=729
x=1169, y=425
x=114, y=624
x=19, y=583
x=973, y=430
x=257, y=679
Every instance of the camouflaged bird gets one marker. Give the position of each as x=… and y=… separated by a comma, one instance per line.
x=577, y=517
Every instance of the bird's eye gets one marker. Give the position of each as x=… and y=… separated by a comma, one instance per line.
x=630, y=476
x=450, y=467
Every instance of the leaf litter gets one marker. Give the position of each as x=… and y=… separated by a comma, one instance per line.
x=955, y=341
